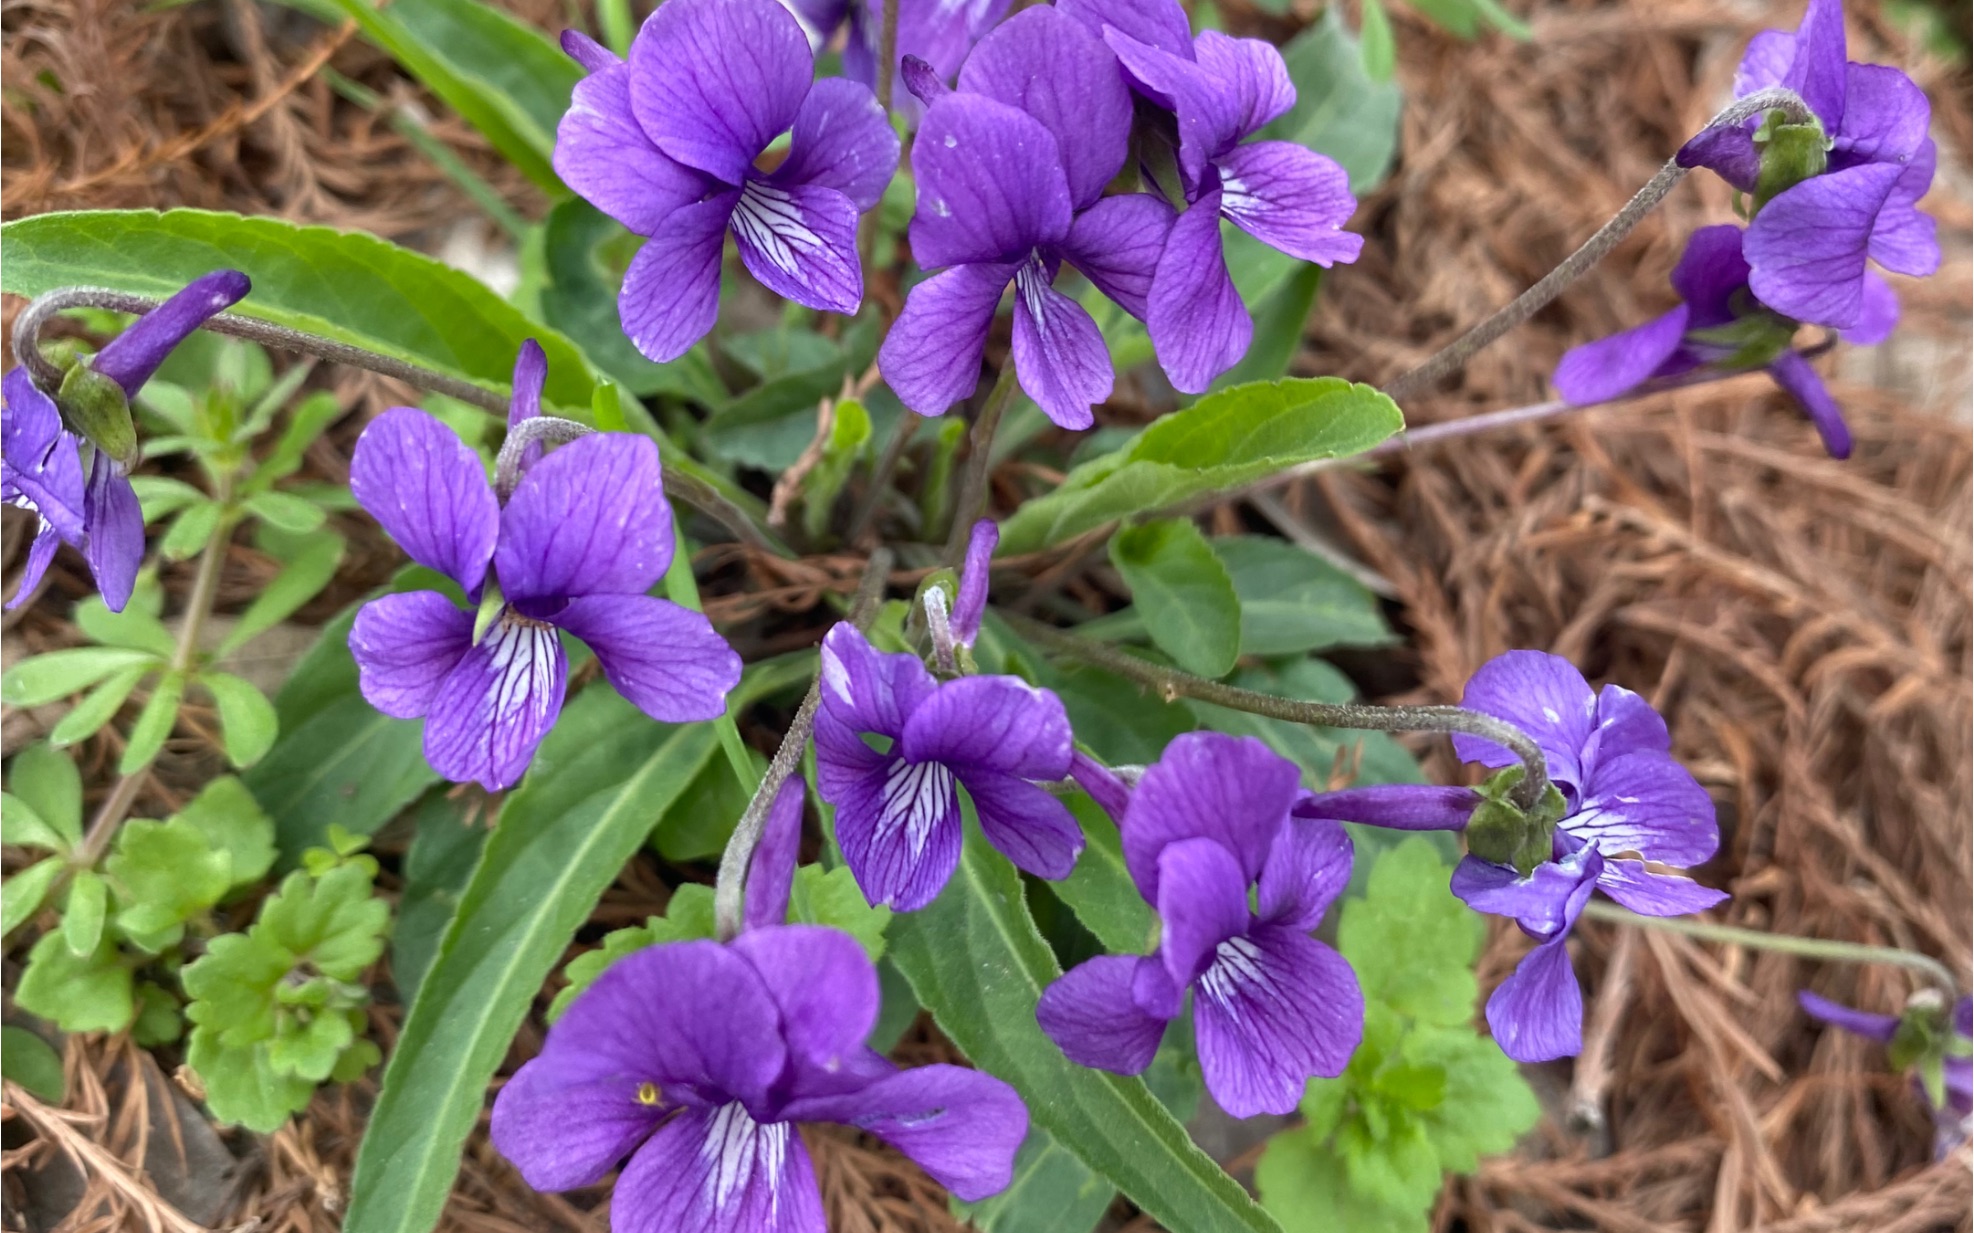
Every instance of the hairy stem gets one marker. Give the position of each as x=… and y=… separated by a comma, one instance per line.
x=198, y=607
x=887, y=54
x=536, y=429
x=1455, y=354
x=727, y=889
x=1172, y=683
x=1785, y=943
x=27, y=336
x=979, y=460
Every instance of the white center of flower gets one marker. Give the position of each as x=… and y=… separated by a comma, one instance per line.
x=1031, y=282
x=769, y=219
x=521, y=654
x=915, y=796
x=739, y=1151
x=1236, y=970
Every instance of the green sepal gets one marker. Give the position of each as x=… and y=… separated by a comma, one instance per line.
x=95, y=407
x=1790, y=154
x=1503, y=832
x=1752, y=340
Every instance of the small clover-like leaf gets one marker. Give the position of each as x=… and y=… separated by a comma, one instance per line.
x=89, y=993
x=165, y=874
x=242, y=1087
x=308, y=1047
x=232, y=822
x=831, y=897
x=232, y=988
x=1410, y=940
x=331, y=922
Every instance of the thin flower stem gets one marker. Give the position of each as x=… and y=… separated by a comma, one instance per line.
x=887, y=54
x=1172, y=683
x=880, y=476
x=27, y=335
x=198, y=607
x=536, y=429
x=1785, y=943
x=1456, y=354
x=727, y=889
x=979, y=460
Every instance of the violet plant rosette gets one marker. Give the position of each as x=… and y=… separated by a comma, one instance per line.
x=667, y=142
x=1720, y=324
x=1928, y=1040
x=1856, y=198
x=1011, y=170
x=1221, y=91
x=79, y=493
x=1207, y=824
x=893, y=748
x=1624, y=811
x=586, y=533
x=697, y=1060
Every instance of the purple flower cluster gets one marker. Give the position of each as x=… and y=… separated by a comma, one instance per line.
x=1208, y=825
x=1627, y=806
x=668, y=142
x=1016, y=170
x=1803, y=258
x=586, y=533
x=80, y=495
x=696, y=1060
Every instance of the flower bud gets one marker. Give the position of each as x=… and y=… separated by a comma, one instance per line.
x=94, y=407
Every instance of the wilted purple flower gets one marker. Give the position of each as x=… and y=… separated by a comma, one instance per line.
x=1272, y=1006
x=1222, y=91
x=697, y=1060
x=1626, y=802
x=1011, y=171
x=585, y=535
x=1721, y=324
x=892, y=748
x=1918, y=1040
x=43, y=468
x=938, y=33
x=1807, y=245
x=666, y=144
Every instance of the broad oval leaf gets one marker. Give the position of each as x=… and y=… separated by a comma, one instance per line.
x=351, y=287
x=587, y=804
x=1293, y=601
x=1224, y=440
x=1183, y=594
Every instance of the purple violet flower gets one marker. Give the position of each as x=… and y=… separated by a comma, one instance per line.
x=771, y=870
x=1011, y=171
x=91, y=505
x=697, y=1060
x=1626, y=802
x=1720, y=323
x=667, y=142
x=585, y=535
x=1272, y=1006
x=1807, y=246
x=1920, y=1046
x=1222, y=91
x=893, y=746
x=938, y=33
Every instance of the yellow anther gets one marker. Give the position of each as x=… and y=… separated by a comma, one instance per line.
x=647, y=1093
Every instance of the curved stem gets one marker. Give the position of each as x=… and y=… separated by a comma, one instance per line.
x=1785, y=943
x=979, y=460
x=1455, y=354
x=1172, y=683
x=536, y=429
x=728, y=887
x=27, y=334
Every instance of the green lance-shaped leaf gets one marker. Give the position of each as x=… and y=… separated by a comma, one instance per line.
x=597, y=783
x=1224, y=440
x=976, y=960
x=1183, y=594
x=347, y=286
x=56, y=674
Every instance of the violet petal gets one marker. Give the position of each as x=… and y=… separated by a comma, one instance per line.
x=931, y=356
x=589, y=519
x=1290, y=198
x=841, y=140
x=1059, y=354
x=990, y=184
x=1197, y=322
x=714, y=81
x=800, y=242
x=405, y=646
x=771, y=870
x=1202, y=902
x=1090, y=1014
x=1053, y=69
x=1116, y=244
x=671, y=293
x=1806, y=249
x=666, y=660
x=429, y=492
x=719, y=1171
x=608, y=160
x=493, y=709
x=1536, y=1015
x=1307, y=869
x=1275, y=1009
x=1208, y=786
x=1024, y=822
x=131, y=357
x=1793, y=373
x=114, y=545
x=961, y=1126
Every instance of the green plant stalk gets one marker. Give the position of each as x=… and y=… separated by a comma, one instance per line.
x=618, y=26
x=880, y=476
x=979, y=461
x=1173, y=683
x=683, y=589
x=1454, y=355
x=739, y=853
x=198, y=607
x=1784, y=943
